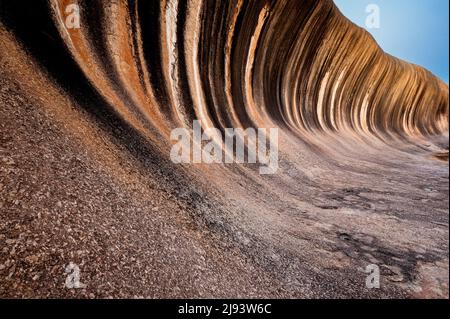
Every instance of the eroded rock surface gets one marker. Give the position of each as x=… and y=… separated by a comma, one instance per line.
x=86, y=177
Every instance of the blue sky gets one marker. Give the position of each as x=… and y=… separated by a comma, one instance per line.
x=416, y=31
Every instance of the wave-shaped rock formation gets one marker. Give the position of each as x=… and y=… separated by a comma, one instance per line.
x=86, y=177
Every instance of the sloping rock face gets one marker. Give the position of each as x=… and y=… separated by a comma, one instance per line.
x=86, y=116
